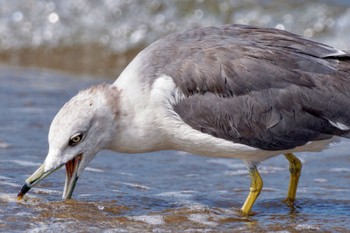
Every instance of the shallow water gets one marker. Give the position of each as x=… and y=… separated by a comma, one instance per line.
x=166, y=191
x=160, y=192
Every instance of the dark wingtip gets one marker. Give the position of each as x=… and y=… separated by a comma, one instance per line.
x=25, y=188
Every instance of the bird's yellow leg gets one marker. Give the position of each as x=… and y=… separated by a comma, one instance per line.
x=295, y=166
x=255, y=188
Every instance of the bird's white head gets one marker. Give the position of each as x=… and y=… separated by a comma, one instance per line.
x=84, y=126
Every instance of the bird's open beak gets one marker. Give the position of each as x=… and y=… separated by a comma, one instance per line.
x=40, y=174
x=71, y=176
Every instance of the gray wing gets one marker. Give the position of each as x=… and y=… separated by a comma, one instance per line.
x=265, y=88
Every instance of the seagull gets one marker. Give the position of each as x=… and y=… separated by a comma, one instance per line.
x=233, y=91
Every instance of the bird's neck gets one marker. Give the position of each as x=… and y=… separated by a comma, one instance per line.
x=137, y=129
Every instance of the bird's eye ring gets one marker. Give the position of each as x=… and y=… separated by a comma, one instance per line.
x=75, y=139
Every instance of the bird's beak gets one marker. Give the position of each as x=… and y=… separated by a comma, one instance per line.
x=35, y=178
x=71, y=176
x=40, y=174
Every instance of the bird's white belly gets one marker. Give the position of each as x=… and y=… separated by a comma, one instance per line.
x=196, y=142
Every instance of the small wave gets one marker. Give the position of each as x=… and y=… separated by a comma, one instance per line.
x=21, y=162
x=51, y=227
x=307, y=190
x=46, y=191
x=236, y=173
x=8, y=197
x=178, y=194
x=85, y=195
x=320, y=180
x=202, y=219
x=150, y=219
x=340, y=169
x=230, y=163
x=9, y=184
x=5, y=178
x=132, y=185
x=270, y=169
x=300, y=227
x=184, y=198
x=3, y=145
x=262, y=170
x=126, y=174
x=90, y=169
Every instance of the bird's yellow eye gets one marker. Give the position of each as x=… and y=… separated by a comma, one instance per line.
x=75, y=139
